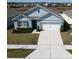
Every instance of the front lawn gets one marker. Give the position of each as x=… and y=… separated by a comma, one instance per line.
x=29, y=38
x=18, y=53
x=21, y=38
x=66, y=37
x=21, y=53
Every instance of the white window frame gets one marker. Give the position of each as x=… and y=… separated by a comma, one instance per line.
x=22, y=24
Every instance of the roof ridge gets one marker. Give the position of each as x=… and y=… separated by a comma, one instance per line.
x=30, y=9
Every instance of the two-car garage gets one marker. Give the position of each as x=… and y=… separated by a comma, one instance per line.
x=51, y=26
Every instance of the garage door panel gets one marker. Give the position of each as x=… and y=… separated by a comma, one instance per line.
x=51, y=26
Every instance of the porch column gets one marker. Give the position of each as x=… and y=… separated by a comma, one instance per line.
x=15, y=25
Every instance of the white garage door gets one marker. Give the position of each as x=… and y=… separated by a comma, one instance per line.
x=51, y=27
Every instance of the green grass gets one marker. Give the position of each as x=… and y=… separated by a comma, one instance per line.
x=66, y=37
x=18, y=53
x=29, y=38
x=21, y=38
x=70, y=51
x=21, y=53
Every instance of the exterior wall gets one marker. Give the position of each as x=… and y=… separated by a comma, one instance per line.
x=30, y=24
x=50, y=18
x=39, y=24
x=39, y=12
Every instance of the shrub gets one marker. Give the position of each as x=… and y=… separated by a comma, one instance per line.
x=62, y=29
x=23, y=30
x=38, y=29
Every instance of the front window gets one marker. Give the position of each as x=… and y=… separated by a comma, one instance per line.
x=22, y=24
x=19, y=23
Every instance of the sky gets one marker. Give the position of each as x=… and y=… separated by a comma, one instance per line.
x=48, y=1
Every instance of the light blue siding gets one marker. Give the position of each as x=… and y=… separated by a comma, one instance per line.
x=38, y=13
x=51, y=18
x=23, y=19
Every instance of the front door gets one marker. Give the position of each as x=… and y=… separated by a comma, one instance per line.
x=34, y=24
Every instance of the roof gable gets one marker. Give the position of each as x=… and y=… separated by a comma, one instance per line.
x=45, y=14
x=36, y=12
x=50, y=17
x=39, y=11
x=21, y=17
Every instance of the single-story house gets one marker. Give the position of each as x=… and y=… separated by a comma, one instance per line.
x=38, y=17
x=22, y=21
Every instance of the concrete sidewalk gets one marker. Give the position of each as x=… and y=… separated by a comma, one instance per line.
x=50, y=46
x=13, y=46
x=21, y=46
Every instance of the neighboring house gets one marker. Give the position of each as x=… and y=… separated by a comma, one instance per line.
x=67, y=15
x=25, y=3
x=38, y=17
x=39, y=1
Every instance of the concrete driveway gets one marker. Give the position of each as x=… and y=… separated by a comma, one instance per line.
x=50, y=46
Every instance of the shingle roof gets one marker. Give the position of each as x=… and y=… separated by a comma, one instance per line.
x=12, y=12
x=68, y=13
x=40, y=1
